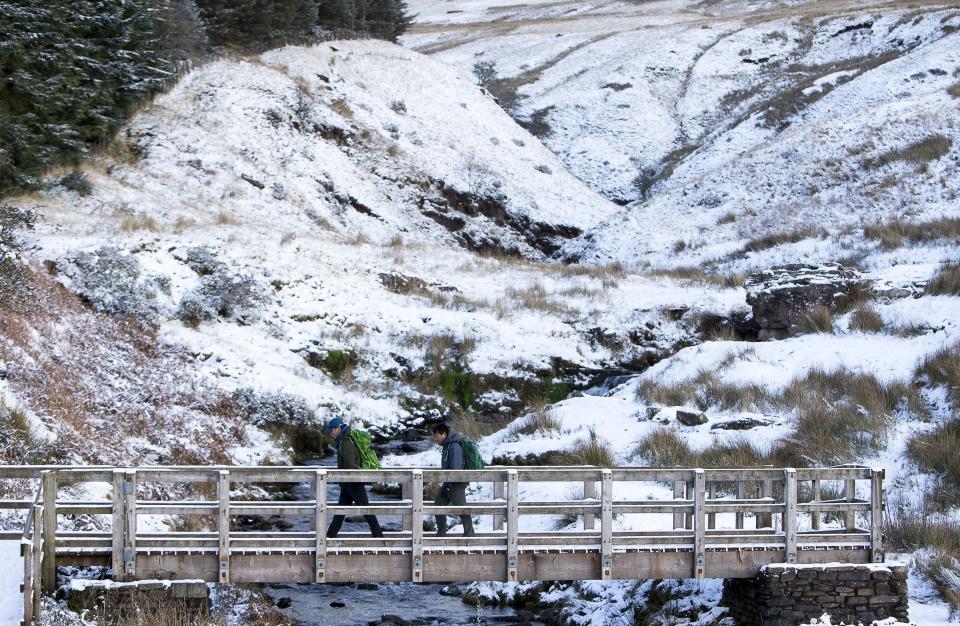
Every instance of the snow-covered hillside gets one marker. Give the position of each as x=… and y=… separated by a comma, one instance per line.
x=357, y=229
x=721, y=122
x=307, y=223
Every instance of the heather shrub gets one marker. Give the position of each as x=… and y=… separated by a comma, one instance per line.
x=203, y=261
x=273, y=408
x=111, y=281
x=220, y=294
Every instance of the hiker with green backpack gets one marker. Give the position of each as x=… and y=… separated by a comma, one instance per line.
x=456, y=453
x=353, y=452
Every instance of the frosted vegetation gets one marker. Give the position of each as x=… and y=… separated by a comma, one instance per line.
x=359, y=229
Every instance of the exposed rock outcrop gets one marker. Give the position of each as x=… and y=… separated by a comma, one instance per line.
x=780, y=296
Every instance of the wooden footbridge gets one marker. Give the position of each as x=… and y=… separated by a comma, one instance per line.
x=721, y=523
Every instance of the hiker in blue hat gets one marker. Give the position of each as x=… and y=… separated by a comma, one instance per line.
x=349, y=457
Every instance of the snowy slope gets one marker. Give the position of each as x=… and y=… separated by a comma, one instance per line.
x=720, y=122
x=281, y=172
x=364, y=135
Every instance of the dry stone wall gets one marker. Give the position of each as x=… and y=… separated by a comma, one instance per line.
x=787, y=595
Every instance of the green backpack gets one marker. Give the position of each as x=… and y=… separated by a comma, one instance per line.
x=368, y=458
x=471, y=455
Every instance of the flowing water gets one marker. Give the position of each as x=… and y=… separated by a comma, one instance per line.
x=363, y=604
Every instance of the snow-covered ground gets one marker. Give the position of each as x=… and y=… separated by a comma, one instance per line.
x=719, y=122
x=356, y=225
x=11, y=600
x=308, y=190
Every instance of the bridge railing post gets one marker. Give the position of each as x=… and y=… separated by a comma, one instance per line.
x=416, y=528
x=876, y=515
x=513, y=523
x=320, y=523
x=498, y=494
x=589, y=493
x=48, y=575
x=118, y=543
x=606, y=524
x=223, y=525
x=699, y=524
x=790, y=514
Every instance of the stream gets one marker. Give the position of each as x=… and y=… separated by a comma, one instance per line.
x=370, y=603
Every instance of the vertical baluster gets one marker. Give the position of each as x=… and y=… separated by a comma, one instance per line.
x=37, y=556
x=765, y=520
x=606, y=524
x=119, y=525
x=49, y=568
x=416, y=525
x=223, y=524
x=130, y=520
x=589, y=493
x=679, y=493
x=513, y=523
x=405, y=495
x=790, y=513
x=498, y=494
x=815, y=515
x=320, y=522
x=850, y=517
x=712, y=517
x=741, y=494
x=26, y=553
x=699, y=525
x=876, y=515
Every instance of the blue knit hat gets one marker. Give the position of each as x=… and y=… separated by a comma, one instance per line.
x=333, y=424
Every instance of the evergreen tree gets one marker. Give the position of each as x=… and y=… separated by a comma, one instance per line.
x=70, y=73
x=386, y=19
x=257, y=24
x=335, y=14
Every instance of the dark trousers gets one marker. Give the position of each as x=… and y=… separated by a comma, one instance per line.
x=455, y=494
x=354, y=493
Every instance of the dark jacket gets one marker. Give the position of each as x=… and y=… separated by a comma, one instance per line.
x=348, y=456
x=451, y=453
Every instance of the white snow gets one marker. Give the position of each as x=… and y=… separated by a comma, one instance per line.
x=11, y=600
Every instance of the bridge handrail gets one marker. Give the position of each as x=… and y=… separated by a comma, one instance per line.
x=698, y=497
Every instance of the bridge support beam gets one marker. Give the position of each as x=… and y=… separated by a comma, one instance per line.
x=789, y=594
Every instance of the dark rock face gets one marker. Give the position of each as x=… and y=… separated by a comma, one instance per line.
x=780, y=296
x=740, y=423
x=120, y=602
x=789, y=595
x=457, y=210
x=691, y=418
